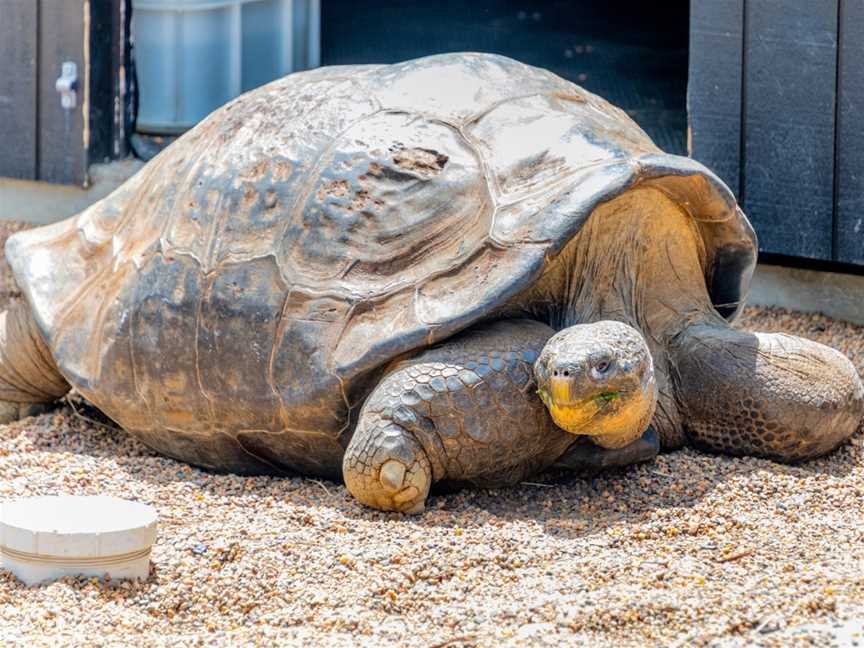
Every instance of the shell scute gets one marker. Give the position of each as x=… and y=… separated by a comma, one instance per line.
x=459, y=87
x=240, y=312
x=161, y=347
x=311, y=393
x=244, y=164
x=396, y=199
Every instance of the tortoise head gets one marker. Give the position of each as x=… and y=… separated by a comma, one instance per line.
x=598, y=380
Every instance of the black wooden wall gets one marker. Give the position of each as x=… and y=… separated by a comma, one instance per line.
x=632, y=52
x=40, y=140
x=775, y=99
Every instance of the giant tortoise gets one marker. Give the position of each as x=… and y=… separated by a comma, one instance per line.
x=455, y=269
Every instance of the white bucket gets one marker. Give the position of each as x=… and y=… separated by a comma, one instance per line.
x=45, y=538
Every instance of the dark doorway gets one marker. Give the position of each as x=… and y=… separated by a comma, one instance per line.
x=632, y=53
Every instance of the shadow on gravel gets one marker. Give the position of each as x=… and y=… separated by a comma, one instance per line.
x=565, y=504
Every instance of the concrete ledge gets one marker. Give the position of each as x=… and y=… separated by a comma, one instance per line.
x=837, y=295
x=42, y=203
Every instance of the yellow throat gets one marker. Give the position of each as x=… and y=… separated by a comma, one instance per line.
x=611, y=420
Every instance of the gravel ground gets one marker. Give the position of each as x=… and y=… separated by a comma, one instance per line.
x=691, y=549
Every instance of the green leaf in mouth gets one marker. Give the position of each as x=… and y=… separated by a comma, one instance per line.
x=543, y=396
x=607, y=396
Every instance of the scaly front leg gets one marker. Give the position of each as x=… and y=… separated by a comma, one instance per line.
x=466, y=411
x=472, y=411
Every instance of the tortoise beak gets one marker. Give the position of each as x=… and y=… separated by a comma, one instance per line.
x=570, y=407
x=560, y=389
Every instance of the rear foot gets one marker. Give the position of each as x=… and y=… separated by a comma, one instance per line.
x=767, y=395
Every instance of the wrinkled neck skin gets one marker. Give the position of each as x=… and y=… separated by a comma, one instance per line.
x=638, y=260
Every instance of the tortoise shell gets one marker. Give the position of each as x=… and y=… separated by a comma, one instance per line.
x=248, y=286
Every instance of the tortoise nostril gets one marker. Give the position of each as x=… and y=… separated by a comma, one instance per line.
x=566, y=374
x=555, y=373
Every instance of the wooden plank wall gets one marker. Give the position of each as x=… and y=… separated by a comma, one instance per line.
x=714, y=92
x=790, y=70
x=795, y=152
x=41, y=140
x=110, y=116
x=18, y=37
x=849, y=170
x=62, y=157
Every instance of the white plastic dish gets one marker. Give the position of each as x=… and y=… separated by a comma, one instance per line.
x=45, y=538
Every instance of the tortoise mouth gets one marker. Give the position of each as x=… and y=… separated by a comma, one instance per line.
x=610, y=419
x=596, y=403
x=566, y=392
x=590, y=415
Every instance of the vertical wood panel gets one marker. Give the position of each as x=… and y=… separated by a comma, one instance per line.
x=849, y=215
x=789, y=93
x=18, y=37
x=714, y=86
x=109, y=55
x=62, y=156
x=107, y=58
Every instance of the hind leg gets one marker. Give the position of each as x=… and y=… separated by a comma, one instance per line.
x=768, y=395
x=29, y=378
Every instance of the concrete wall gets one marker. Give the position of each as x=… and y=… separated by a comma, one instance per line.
x=837, y=295
x=41, y=203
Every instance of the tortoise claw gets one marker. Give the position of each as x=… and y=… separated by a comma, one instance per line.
x=385, y=468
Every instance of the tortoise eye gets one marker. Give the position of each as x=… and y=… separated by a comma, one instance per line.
x=603, y=366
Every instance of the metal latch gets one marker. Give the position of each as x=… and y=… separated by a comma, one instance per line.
x=67, y=85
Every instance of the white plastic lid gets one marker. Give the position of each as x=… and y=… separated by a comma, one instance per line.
x=65, y=534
